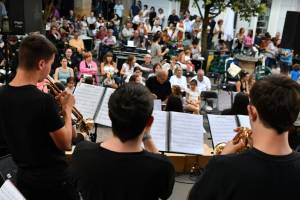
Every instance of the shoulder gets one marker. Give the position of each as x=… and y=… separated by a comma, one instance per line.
x=84, y=147
x=160, y=159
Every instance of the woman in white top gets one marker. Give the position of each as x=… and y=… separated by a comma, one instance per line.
x=218, y=33
x=128, y=66
x=179, y=79
x=108, y=68
x=193, y=100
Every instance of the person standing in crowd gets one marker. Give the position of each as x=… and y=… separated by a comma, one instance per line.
x=159, y=85
x=119, y=10
x=286, y=59
x=141, y=174
x=173, y=18
x=135, y=9
x=156, y=52
x=91, y=19
x=218, y=32
x=31, y=128
x=152, y=16
x=63, y=72
x=162, y=17
x=203, y=82
x=274, y=107
x=248, y=40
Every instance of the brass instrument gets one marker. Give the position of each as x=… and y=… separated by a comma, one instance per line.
x=243, y=134
x=83, y=125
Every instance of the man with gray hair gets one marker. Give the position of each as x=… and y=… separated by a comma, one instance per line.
x=203, y=82
x=159, y=85
x=110, y=39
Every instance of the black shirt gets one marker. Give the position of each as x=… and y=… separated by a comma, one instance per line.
x=27, y=116
x=249, y=175
x=173, y=19
x=162, y=91
x=101, y=174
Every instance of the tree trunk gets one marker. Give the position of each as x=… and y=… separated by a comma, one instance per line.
x=204, y=35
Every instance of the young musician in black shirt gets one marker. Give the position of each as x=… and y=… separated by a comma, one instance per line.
x=31, y=128
x=119, y=168
x=271, y=169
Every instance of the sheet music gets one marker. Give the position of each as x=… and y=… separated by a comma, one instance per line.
x=102, y=117
x=226, y=100
x=159, y=129
x=244, y=121
x=87, y=98
x=222, y=128
x=157, y=104
x=186, y=133
x=9, y=191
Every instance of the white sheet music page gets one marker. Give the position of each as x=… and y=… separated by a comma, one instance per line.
x=186, y=133
x=10, y=192
x=222, y=128
x=159, y=129
x=157, y=104
x=244, y=121
x=102, y=117
x=87, y=98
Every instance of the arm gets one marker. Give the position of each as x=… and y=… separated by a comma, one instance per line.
x=56, y=74
x=102, y=69
x=238, y=86
x=122, y=72
x=72, y=72
x=63, y=136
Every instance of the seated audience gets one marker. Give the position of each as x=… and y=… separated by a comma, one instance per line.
x=174, y=102
x=179, y=79
x=243, y=84
x=270, y=170
x=70, y=85
x=156, y=67
x=193, y=99
x=110, y=39
x=203, y=82
x=88, y=67
x=141, y=174
x=64, y=72
x=147, y=64
x=77, y=42
x=159, y=85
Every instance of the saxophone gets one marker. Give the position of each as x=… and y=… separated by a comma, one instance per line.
x=243, y=134
x=83, y=125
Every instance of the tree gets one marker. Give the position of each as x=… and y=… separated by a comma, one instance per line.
x=212, y=8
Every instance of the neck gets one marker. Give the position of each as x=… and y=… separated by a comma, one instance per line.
x=269, y=141
x=116, y=145
x=24, y=77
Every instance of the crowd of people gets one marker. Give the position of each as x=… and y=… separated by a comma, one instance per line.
x=128, y=165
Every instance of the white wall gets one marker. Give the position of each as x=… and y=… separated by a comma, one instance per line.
x=278, y=14
x=166, y=5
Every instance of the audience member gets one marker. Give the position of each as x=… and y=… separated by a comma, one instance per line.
x=203, y=82
x=193, y=99
x=63, y=72
x=159, y=85
x=239, y=106
x=174, y=102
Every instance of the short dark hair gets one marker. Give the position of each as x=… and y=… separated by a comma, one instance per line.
x=130, y=107
x=34, y=48
x=240, y=103
x=276, y=99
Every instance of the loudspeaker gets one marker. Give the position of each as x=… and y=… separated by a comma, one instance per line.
x=291, y=31
x=25, y=16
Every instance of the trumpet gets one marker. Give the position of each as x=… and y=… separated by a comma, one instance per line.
x=83, y=125
x=243, y=134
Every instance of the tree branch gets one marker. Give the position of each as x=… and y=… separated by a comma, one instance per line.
x=199, y=9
